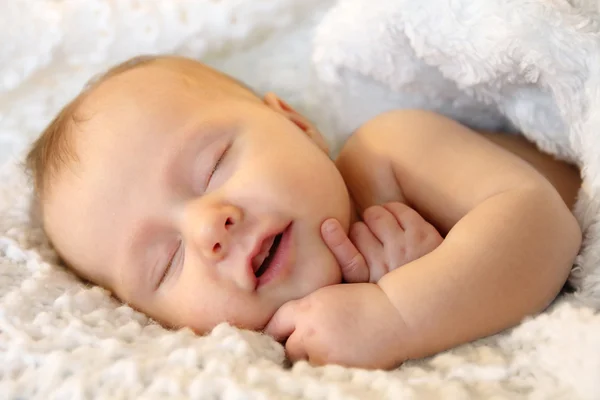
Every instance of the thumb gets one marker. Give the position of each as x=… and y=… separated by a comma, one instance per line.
x=351, y=261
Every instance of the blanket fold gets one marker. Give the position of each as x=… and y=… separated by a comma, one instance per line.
x=522, y=66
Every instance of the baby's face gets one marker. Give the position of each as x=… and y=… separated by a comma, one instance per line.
x=195, y=204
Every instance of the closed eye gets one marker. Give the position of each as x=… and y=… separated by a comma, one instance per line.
x=174, y=259
x=218, y=163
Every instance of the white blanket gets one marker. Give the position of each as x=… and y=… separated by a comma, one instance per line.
x=531, y=66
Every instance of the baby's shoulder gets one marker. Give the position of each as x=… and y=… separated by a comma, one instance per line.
x=367, y=158
x=387, y=131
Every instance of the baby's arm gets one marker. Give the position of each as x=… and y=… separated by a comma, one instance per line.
x=510, y=240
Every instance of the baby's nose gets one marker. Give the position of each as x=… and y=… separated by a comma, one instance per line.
x=213, y=230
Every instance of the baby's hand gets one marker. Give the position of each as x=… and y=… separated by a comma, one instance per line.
x=390, y=236
x=352, y=325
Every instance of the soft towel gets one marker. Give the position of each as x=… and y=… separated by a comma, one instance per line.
x=525, y=65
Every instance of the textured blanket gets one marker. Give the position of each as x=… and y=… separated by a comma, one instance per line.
x=529, y=66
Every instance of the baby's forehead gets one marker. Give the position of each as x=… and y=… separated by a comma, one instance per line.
x=134, y=115
x=168, y=74
x=137, y=85
x=128, y=101
x=156, y=90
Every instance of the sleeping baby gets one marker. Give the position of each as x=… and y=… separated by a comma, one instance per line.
x=197, y=202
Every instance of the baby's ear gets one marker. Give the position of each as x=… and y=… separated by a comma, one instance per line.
x=278, y=105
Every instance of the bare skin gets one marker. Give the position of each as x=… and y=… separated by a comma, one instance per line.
x=563, y=176
x=190, y=180
x=510, y=241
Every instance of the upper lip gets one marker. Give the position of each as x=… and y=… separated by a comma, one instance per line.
x=258, y=247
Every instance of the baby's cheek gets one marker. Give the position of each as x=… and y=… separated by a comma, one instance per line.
x=235, y=308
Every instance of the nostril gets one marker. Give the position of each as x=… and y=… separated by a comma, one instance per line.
x=217, y=248
x=229, y=221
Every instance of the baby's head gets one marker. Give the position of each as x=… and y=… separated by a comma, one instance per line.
x=187, y=195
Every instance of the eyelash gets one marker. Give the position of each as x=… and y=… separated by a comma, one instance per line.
x=221, y=157
x=169, y=264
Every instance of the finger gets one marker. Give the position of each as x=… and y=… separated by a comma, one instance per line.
x=352, y=263
x=421, y=237
x=411, y=220
x=295, y=347
x=389, y=232
x=282, y=324
x=383, y=224
x=371, y=249
x=406, y=216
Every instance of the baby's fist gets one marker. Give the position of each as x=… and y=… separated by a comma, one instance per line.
x=392, y=235
x=352, y=325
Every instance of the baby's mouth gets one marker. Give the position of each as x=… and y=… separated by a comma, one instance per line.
x=261, y=263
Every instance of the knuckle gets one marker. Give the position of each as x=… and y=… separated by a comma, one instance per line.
x=305, y=304
x=428, y=235
x=356, y=273
x=422, y=235
x=310, y=332
x=400, y=254
x=354, y=263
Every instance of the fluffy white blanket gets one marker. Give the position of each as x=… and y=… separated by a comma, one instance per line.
x=531, y=66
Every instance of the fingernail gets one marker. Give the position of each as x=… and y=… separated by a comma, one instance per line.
x=329, y=226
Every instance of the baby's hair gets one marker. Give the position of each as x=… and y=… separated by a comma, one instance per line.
x=53, y=150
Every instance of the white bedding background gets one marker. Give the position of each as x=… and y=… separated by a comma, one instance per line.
x=526, y=65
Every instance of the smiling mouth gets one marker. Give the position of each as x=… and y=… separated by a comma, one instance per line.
x=264, y=266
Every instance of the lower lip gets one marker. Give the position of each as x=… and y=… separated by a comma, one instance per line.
x=280, y=261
